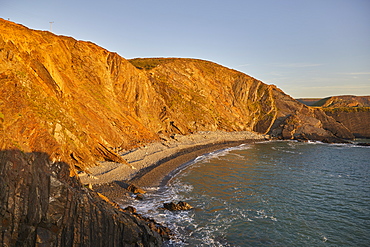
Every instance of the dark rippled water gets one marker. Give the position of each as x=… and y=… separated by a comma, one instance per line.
x=270, y=194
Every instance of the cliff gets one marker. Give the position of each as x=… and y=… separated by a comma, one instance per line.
x=65, y=104
x=356, y=119
x=351, y=111
x=41, y=205
x=200, y=95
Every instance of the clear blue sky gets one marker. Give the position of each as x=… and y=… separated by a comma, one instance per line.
x=308, y=48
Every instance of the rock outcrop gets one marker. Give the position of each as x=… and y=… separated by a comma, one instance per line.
x=356, y=119
x=64, y=104
x=298, y=121
x=351, y=111
x=177, y=206
x=41, y=205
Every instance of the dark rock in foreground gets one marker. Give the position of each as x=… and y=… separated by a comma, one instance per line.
x=41, y=204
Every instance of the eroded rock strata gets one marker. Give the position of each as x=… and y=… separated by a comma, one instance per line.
x=351, y=111
x=64, y=104
x=41, y=205
x=356, y=119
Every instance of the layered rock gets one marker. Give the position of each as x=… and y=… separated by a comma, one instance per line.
x=41, y=205
x=298, y=121
x=200, y=95
x=80, y=103
x=351, y=111
x=356, y=119
x=71, y=99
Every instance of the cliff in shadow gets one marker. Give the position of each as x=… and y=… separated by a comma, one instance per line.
x=41, y=205
x=65, y=104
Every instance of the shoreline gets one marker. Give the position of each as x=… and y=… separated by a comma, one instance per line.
x=156, y=163
x=160, y=173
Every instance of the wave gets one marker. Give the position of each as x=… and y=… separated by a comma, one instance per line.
x=260, y=193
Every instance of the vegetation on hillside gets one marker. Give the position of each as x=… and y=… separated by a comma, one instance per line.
x=147, y=63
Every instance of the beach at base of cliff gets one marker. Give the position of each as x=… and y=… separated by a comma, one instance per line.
x=152, y=164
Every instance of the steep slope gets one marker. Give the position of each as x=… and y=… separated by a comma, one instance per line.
x=200, y=95
x=63, y=105
x=298, y=121
x=71, y=99
x=41, y=205
x=351, y=111
x=356, y=119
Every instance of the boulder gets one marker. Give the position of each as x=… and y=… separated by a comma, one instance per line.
x=130, y=209
x=139, y=197
x=136, y=190
x=177, y=207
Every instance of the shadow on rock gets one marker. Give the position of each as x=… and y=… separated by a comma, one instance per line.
x=41, y=204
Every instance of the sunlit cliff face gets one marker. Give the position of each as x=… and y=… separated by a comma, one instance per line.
x=80, y=103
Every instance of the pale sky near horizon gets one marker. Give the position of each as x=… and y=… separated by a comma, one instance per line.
x=308, y=48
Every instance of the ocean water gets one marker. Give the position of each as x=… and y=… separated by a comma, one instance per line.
x=280, y=193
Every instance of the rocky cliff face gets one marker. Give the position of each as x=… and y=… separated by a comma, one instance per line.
x=351, y=111
x=200, y=95
x=297, y=121
x=41, y=205
x=73, y=100
x=356, y=119
x=64, y=101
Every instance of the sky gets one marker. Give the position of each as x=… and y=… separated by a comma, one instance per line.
x=307, y=48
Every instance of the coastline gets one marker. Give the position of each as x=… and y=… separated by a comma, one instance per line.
x=153, y=164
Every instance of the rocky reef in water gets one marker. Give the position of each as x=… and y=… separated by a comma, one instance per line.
x=65, y=104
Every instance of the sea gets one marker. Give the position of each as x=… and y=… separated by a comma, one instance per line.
x=274, y=193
